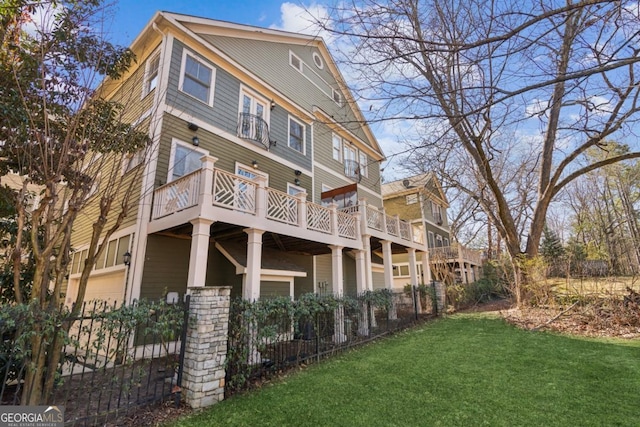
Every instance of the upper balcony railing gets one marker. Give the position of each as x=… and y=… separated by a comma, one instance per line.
x=455, y=252
x=254, y=128
x=216, y=188
x=376, y=219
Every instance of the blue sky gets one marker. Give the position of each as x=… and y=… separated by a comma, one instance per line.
x=131, y=15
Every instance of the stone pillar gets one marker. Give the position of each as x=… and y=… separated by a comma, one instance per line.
x=199, y=253
x=205, y=348
x=251, y=288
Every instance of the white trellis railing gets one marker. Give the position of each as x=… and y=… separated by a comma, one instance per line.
x=318, y=218
x=347, y=225
x=282, y=207
x=405, y=230
x=234, y=192
x=177, y=195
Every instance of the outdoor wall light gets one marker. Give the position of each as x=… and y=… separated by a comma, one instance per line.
x=254, y=164
x=273, y=104
x=195, y=141
x=126, y=258
x=297, y=181
x=297, y=172
x=192, y=126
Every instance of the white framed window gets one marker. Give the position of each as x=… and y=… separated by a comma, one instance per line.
x=411, y=199
x=252, y=104
x=337, y=148
x=296, y=135
x=439, y=243
x=317, y=59
x=401, y=270
x=293, y=189
x=250, y=172
x=325, y=187
x=295, y=61
x=364, y=161
x=436, y=210
x=152, y=71
x=337, y=97
x=184, y=159
x=446, y=242
x=132, y=160
x=197, y=78
x=430, y=239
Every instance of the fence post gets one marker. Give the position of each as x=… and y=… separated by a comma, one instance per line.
x=205, y=347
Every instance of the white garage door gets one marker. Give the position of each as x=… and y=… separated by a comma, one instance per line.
x=106, y=287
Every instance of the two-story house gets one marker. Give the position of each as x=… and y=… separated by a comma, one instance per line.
x=263, y=174
x=421, y=201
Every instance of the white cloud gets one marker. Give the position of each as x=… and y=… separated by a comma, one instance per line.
x=42, y=21
x=300, y=18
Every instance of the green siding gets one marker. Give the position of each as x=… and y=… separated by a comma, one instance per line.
x=166, y=267
x=399, y=206
x=274, y=289
x=223, y=114
x=227, y=152
x=270, y=61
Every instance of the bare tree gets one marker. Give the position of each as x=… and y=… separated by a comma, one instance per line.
x=528, y=85
x=70, y=149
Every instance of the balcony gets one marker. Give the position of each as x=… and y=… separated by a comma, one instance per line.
x=253, y=128
x=455, y=253
x=222, y=196
x=352, y=170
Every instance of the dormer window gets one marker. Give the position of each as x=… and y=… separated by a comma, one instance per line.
x=337, y=97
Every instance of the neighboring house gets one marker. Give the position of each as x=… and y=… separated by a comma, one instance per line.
x=421, y=201
x=263, y=175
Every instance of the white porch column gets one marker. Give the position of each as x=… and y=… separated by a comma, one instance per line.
x=388, y=264
x=413, y=274
x=426, y=268
x=251, y=288
x=302, y=210
x=388, y=275
x=261, y=196
x=338, y=290
x=206, y=184
x=361, y=286
x=463, y=275
x=199, y=253
x=368, y=273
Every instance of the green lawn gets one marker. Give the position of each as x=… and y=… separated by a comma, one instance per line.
x=465, y=370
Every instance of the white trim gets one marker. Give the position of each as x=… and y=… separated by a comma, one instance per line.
x=186, y=52
x=304, y=135
x=317, y=58
x=364, y=167
x=255, y=96
x=172, y=156
x=300, y=68
x=335, y=137
x=250, y=169
x=295, y=187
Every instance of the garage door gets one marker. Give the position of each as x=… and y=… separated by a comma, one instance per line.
x=105, y=287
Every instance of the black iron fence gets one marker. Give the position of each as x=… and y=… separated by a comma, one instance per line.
x=270, y=335
x=114, y=359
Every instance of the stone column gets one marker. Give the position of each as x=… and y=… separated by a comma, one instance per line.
x=203, y=375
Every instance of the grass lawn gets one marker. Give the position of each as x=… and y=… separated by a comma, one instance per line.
x=464, y=370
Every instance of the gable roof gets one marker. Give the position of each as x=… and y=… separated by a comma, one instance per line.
x=427, y=183
x=195, y=27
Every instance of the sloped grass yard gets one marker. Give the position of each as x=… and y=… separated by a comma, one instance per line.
x=465, y=370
